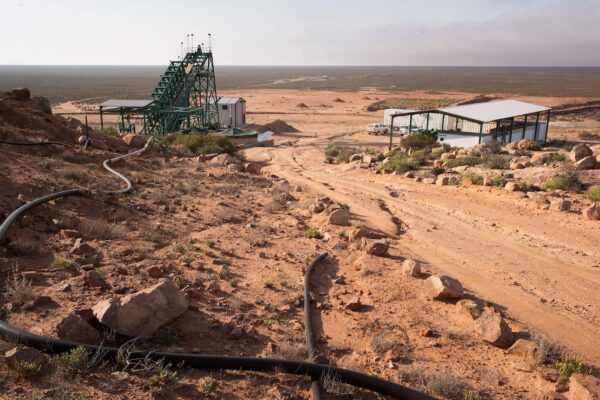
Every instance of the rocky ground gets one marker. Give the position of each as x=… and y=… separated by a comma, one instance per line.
x=224, y=243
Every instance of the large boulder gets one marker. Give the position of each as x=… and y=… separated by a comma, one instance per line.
x=42, y=104
x=411, y=268
x=363, y=232
x=133, y=140
x=560, y=205
x=579, y=152
x=526, y=352
x=222, y=160
x=76, y=329
x=585, y=163
x=376, y=247
x=20, y=94
x=592, y=213
x=584, y=387
x=24, y=354
x=140, y=314
x=493, y=329
x=441, y=287
x=468, y=308
x=340, y=217
x=512, y=187
x=527, y=144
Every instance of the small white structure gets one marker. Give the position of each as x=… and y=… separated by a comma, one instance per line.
x=232, y=112
x=467, y=125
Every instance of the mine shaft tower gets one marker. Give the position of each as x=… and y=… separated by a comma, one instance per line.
x=184, y=99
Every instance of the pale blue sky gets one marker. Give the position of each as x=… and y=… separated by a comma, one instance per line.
x=308, y=32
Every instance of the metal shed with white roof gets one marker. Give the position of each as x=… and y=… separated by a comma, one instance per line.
x=467, y=125
x=232, y=112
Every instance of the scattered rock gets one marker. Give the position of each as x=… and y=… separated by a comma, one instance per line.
x=561, y=386
x=441, y=287
x=493, y=329
x=411, y=268
x=584, y=387
x=340, y=217
x=553, y=396
x=442, y=180
x=585, y=163
x=221, y=160
x=75, y=329
x=468, y=308
x=592, y=213
x=155, y=272
x=429, y=181
x=20, y=94
x=356, y=157
x=409, y=174
x=181, y=150
x=579, y=152
x=94, y=279
x=140, y=314
x=560, y=205
x=527, y=351
x=253, y=167
x=363, y=232
x=512, y=187
x=134, y=140
x=26, y=354
x=527, y=144
x=376, y=247
x=318, y=207
x=235, y=167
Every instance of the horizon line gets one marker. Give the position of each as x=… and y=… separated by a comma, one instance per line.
x=311, y=65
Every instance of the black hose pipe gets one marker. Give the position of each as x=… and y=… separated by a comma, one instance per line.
x=308, y=327
x=34, y=143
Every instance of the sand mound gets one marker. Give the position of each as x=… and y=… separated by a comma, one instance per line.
x=278, y=127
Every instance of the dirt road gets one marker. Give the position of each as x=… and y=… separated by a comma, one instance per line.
x=542, y=267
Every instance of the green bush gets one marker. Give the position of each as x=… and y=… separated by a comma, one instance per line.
x=419, y=156
x=418, y=141
x=399, y=162
x=340, y=154
x=313, y=233
x=110, y=131
x=464, y=161
x=499, y=181
x=437, y=170
x=568, y=181
x=476, y=179
x=26, y=369
x=570, y=365
x=200, y=143
x=593, y=193
x=556, y=158
x=73, y=360
x=496, y=161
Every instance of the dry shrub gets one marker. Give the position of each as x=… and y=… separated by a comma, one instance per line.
x=76, y=175
x=383, y=343
x=273, y=206
x=99, y=229
x=28, y=246
x=291, y=350
x=447, y=384
x=70, y=157
x=332, y=384
x=18, y=289
x=549, y=350
x=226, y=189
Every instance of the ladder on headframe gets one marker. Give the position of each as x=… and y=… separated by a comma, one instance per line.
x=185, y=96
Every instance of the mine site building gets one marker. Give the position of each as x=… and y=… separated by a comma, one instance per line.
x=504, y=121
x=232, y=112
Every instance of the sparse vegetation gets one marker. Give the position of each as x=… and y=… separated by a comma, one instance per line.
x=382, y=343
x=179, y=281
x=593, y=193
x=469, y=161
x=567, y=181
x=400, y=162
x=556, y=158
x=474, y=178
x=447, y=384
x=589, y=136
x=18, y=289
x=210, y=243
x=418, y=141
x=339, y=154
x=496, y=161
x=499, y=181
x=437, y=170
x=313, y=233
x=208, y=384
x=162, y=377
x=570, y=365
x=200, y=143
x=74, y=360
x=99, y=229
x=27, y=369
x=269, y=285
x=549, y=350
x=65, y=264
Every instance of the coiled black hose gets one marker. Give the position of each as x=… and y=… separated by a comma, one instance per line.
x=308, y=326
x=306, y=368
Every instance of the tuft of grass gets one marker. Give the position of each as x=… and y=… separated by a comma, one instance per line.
x=179, y=281
x=162, y=377
x=471, y=396
x=464, y=161
x=18, y=289
x=313, y=233
x=475, y=178
x=74, y=360
x=589, y=136
x=224, y=273
x=110, y=131
x=208, y=384
x=496, y=161
x=593, y=193
x=210, y=243
x=499, y=181
x=99, y=229
x=447, y=384
x=568, y=181
x=570, y=365
x=383, y=343
x=269, y=285
x=26, y=369
x=556, y=158
x=200, y=143
x=64, y=263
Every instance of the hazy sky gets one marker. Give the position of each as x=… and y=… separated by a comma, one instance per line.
x=304, y=32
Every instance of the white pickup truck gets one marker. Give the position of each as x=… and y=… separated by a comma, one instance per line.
x=377, y=129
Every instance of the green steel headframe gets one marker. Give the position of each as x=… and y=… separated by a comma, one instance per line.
x=185, y=96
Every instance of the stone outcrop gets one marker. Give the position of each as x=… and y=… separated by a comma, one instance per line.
x=411, y=268
x=468, y=308
x=340, y=217
x=76, y=329
x=579, y=152
x=493, y=329
x=441, y=287
x=376, y=247
x=584, y=387
x=140, y=314
x=588, y=162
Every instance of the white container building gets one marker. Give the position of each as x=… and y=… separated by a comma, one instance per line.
x=232, y=112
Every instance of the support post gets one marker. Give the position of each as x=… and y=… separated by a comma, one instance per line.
x=410, y=124
x=427, y=123
x=524, y=126
x=480, y=132
x=512, y=122
x=391, y=133
x=547, y=126
x=497, y=130
x=101, y=120
x=443, y=117
x=537, y=120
